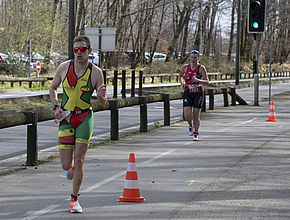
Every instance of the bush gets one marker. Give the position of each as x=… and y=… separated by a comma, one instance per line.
x=162, y=67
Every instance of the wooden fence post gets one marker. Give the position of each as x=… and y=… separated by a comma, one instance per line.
x=225, y=94
x=133, y=84
x=143, y=114
x=203, y=107
x=32, y=147
x=123, y=83
x=105, y=76
x=211, y=99
x=114, y=119
x=233, y=94
x=166, y=100
x=115, y=84
x=140, y=82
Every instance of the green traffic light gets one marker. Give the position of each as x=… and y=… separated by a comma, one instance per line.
x=256, y=25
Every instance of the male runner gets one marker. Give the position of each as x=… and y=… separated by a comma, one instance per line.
x=79, y=79
x=195, y=75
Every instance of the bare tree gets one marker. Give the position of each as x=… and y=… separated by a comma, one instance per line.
x=232, y=30
x=181, y=16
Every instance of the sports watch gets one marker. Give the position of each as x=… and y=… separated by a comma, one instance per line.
x=55, y=106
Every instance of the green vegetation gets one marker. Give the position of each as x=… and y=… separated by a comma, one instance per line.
x=34, y=86
x=11, y=105
x=169, y=90
x=157, y=124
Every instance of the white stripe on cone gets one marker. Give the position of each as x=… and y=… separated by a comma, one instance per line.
x=131, y=167
x=131, y=184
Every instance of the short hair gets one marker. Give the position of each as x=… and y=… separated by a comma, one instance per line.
x=82, y=38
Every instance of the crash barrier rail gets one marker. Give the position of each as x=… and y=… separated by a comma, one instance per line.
x=150, y=78
x=31, y=116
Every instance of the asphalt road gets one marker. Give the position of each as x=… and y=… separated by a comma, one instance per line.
x=238, y=170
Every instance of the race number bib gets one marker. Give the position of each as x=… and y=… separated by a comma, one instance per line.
x=194, y=88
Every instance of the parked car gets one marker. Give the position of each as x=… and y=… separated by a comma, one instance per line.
x=94, y=58
x=156, y=57
x=3, y=63
x=159, y=57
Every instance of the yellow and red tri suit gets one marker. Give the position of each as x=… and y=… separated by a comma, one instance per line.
x=77, y=127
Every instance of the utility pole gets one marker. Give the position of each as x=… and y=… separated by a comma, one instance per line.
x=71, y=28
x=270, y=67
x=29, y=56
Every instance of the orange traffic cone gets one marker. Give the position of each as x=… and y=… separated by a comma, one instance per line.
x=131, y=191
x=272, y=116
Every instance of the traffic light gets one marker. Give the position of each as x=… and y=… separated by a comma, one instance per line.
x=256, y=16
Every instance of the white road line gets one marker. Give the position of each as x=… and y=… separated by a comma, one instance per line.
x=40, y=212
x=93, y=187
x=158, y=156
x=6, y=214
x=246, y=122
x=97, y=185
x=241, y=123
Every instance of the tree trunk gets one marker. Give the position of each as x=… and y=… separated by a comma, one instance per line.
x=211, y=28
x=53, y=18
x=80, y=12
x=232, y=30
x=182, y=17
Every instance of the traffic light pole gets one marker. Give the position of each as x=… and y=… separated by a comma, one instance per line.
x=256, y=24
x=256, y=74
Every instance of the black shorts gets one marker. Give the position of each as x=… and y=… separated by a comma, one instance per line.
x=192, y=99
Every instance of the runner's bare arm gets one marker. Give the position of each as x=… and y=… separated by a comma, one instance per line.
x=57, y=79
x=204, y=79
x=204, y=75
x=181, y=73
x=100, y=87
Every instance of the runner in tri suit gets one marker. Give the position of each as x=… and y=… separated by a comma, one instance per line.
x=194, y=75
x=79, y=79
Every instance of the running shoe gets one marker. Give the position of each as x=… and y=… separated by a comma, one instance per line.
x=189, y=131
x=75, y=205
x=69, y=174
x=195, y=137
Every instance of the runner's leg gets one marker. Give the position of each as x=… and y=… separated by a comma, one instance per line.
x=66, y=158
x=79, y=159
x=196, y=119
x=188, y=115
